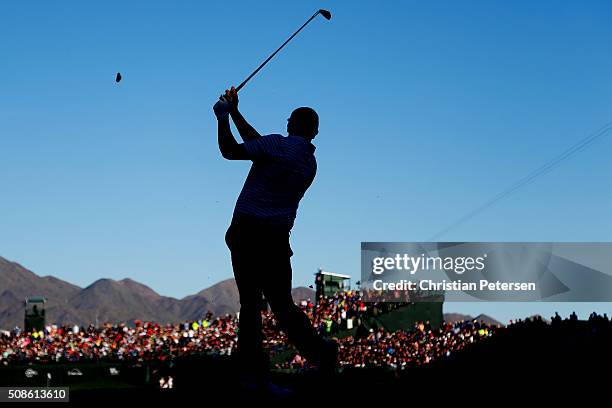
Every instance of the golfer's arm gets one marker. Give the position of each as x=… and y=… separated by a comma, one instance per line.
x=247, y=132
x=229, y=147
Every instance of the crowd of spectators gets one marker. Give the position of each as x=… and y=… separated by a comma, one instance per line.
x=419, y=346
x=140, y=342
x=595, y=322
x=148, y=341
x=401, y=349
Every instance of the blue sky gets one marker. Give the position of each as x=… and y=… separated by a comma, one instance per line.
x=427, y=110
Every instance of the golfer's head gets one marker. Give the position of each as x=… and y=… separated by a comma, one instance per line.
x=303, y=122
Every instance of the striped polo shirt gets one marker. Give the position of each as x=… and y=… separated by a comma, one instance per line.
x=283, y=168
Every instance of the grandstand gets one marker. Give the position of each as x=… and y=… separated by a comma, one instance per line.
x=389, y=314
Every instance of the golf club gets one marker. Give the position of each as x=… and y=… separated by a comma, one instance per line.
x=322, y=12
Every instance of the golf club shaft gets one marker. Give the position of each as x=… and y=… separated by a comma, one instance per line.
x=275, y=52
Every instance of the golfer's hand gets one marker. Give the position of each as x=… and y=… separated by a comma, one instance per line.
x=221, y=108
x=231, y=96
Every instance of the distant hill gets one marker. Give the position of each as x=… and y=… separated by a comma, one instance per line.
x=120, y=301
x=221, y=298
x=458, y=317
x=18, y=282
x=110, y=300
x=303, y=293
x=125, y=300
x=488, y=319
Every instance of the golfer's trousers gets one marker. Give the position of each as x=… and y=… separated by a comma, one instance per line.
x=261, y=259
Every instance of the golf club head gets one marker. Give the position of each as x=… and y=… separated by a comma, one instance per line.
x=325, y=14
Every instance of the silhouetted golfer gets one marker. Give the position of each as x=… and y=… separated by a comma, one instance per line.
x=283, y=168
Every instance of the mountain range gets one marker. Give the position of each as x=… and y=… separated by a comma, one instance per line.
x=458, y=317
x=108, y=300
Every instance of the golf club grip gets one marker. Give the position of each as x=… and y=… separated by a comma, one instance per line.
x=239, y=87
